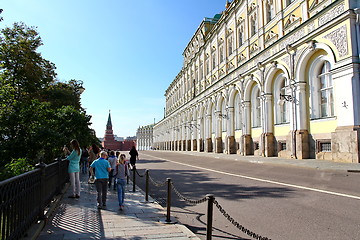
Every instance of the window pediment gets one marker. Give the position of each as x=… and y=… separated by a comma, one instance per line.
x=271, y=35
x=240, y=21
x=292, y=20
x=229, y=32
x=251, y=8
x=241, y=57
x=314, y=5
x=254, y=48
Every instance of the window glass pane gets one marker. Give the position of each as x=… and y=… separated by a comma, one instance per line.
x=331, y=102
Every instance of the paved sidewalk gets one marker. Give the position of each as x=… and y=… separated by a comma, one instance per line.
x=80, y=218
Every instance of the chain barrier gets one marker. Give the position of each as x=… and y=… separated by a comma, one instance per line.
x=187, y=199
x=157, y=184
x=238, y=225
x=138, y=173
x=202, y=200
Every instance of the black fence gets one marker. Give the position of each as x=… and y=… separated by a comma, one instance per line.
x=24, y=198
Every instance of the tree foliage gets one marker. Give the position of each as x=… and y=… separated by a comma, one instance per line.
x=38, y=114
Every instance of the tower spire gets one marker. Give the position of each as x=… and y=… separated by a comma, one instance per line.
x=109, y=121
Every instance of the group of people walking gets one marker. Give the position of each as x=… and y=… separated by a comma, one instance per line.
x=106, y=167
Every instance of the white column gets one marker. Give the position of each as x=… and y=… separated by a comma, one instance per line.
x=230, y=123
x=301, y=109
x=246, y=118
x=269, y=118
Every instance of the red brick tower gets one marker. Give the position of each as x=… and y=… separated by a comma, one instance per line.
x=109, y=139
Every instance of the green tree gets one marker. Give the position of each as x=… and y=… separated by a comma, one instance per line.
x=38, y=114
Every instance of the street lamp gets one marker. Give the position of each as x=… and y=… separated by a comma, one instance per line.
x=291, y=51
x=288, y=98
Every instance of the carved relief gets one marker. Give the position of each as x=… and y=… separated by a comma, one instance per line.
x=330, y=15
x=293, y=38
x=339, y=38
x=297, y=55
x=311, y=27
x=286, y=60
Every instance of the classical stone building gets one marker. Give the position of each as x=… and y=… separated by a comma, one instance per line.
x=144, y=136
x=270, y=78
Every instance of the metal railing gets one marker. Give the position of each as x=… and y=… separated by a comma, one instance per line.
x=24, y=198
x=209, y=198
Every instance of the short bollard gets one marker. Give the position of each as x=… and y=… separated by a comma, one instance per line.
x=147, y=185
x=211, y=199
x=168, y=202
x=168, y=219
x=134, y=178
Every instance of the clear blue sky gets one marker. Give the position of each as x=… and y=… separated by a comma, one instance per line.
x=126, y=52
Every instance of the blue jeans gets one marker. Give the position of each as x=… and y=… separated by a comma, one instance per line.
x=121, y=183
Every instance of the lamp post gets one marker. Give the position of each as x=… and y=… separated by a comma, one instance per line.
x=291, y=98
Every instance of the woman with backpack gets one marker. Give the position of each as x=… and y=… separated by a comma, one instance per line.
x=121, y=173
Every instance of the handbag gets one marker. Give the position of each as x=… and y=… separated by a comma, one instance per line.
x=91, y=180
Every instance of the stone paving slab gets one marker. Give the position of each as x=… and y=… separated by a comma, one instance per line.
x=77, y=219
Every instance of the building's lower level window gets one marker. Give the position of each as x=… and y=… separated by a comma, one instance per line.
x=324, y=146
x=282, y=146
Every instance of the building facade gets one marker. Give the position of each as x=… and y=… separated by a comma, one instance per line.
x=269, y=78
x=144, y=136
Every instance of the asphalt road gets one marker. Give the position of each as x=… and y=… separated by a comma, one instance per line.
x=274, y=201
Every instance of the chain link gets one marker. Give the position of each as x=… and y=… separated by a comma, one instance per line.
x=139, y=173
x=238, y=225
x=157, y=184
x=187, y=199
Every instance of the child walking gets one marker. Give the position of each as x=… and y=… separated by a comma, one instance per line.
x=121, y=172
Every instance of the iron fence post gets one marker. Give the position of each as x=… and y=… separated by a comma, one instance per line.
x=134, y=178
x=147, y=185
x=59, y=175
x=168, y=201
x=211, y=199
x=42, y=166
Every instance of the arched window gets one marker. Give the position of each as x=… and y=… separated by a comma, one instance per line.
x=321, y=89
x=230, y=45
x=256, y=107
x=213, y=56
x=281, y=107
x=326, y=91
x=253, y=24
x=270, y=10
x=241, y=35
x=221, y=53
x=207, y=66
x=237, y=113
